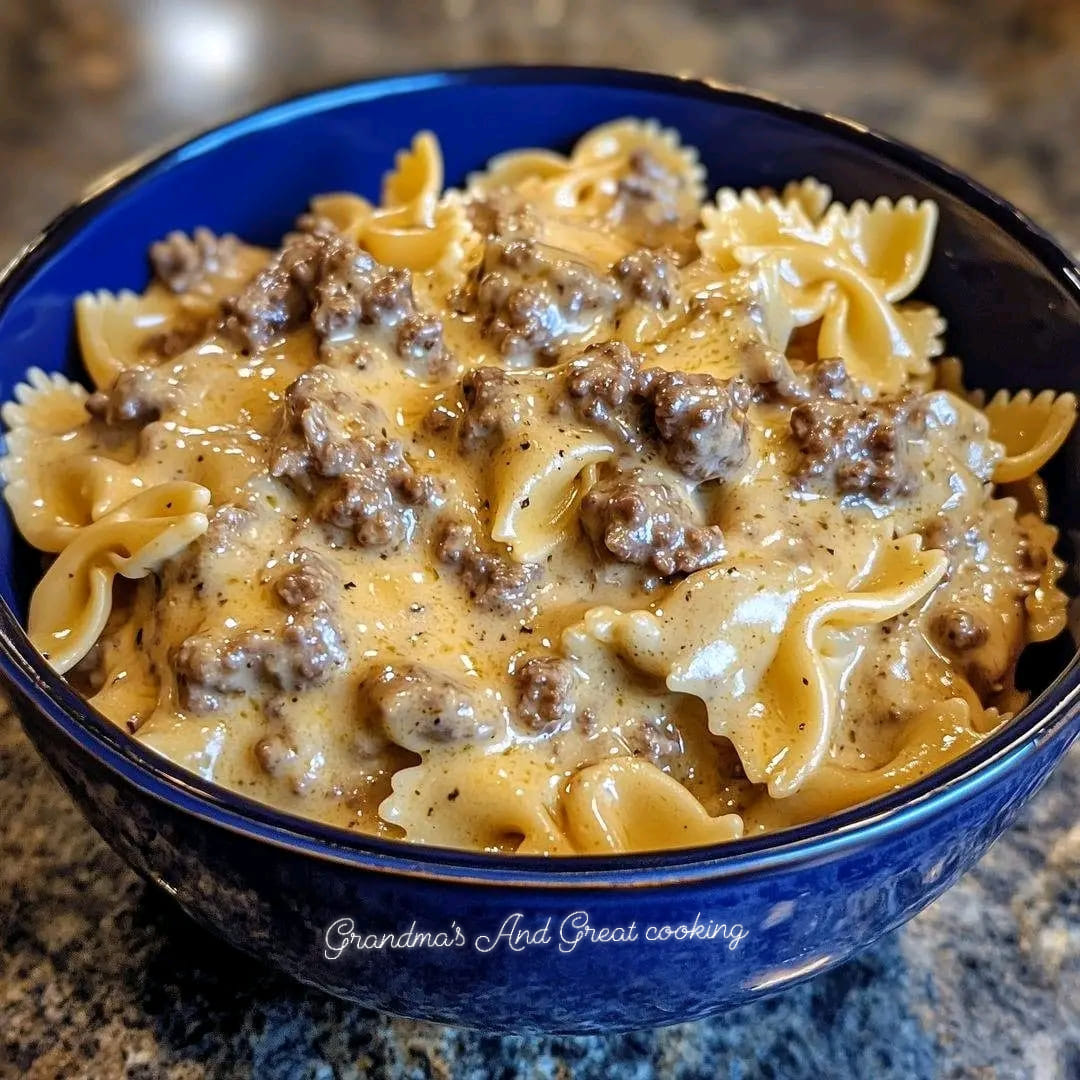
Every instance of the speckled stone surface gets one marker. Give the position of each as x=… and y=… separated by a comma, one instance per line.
x=102, y=978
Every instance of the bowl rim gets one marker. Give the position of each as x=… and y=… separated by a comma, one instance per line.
x=36, y=684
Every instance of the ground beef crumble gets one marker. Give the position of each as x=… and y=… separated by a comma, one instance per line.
x=304, y=650
x=281, y=295
x=493, y=406
x=418, y=708
x=652, y=201
x=182, y=262
x=960, y=630
x=648, y=277
x=501, y=213
x=648, y=524
x=335, y=449
x=778, y=379
x=698, y=422
x=701, y=421
x=530, y=299
x=493, y=580
x=276, y=756
x=303, y=653
x=230, y=526
x=308, y=580
x=178, y=339
x=138, y=396
x=650, y=187
x=862, y=448
x=325, y=278
x=654, y=739
x=602, y=387
x=545, y=686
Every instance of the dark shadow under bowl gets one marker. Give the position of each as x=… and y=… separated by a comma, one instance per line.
x=702, y=929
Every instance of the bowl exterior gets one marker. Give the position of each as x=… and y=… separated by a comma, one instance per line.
x=683, y=942
x=757, y=934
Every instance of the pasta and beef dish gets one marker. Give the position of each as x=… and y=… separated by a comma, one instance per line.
x=571, y=511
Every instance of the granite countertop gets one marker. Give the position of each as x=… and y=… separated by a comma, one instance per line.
x=100, y=977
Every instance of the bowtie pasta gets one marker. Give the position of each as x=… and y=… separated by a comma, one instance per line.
x=568, y=512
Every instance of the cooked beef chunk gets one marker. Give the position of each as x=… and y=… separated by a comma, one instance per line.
x=653, y=738
x=356, y=293
x=354, y=290
x=778, y=379
x=649, y=277
x=442, y=416
x=957, y=539
x=602, y=384
x=648, y=524
x=863, y=448
x=181, y=262
x=138, y=396
x=334, y=447
x=698, y=421
x=493, y=580
x=275, y=755
x=418, y=708
x=653, y=203
x=418, y=340
x=303, y=653
x=363, y=504
x=324, y=277
x=545, y=687
x=500, y=213
x=308, y=579
x=226, y=529
x=960, y=630
x=494, y=406
x=701, y=421
x=325, y=431
x=829, y=378
x=530, y=299
x=281, y=295
x=650, y=182
x=181, y=336
x=941, y=533
x=303, y=650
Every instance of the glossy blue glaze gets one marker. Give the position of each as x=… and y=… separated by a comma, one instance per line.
x=793, y=904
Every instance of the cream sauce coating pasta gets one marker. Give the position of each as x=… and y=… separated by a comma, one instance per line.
x=568, y=512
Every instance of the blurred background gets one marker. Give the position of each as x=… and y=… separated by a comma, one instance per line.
x=990, y=86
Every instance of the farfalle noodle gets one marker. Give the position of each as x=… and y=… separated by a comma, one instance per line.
x=52, y=496
x=1031, y=428
x=747, y=640
x=626, y=804
x=71, y=603
x=113, y=326
x=505, y=802
x=844, y=266
x=535, y=489
x=929, y=740
x=414, y=227
x=416, y=181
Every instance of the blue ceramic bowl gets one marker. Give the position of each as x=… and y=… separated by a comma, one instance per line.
x=688, y=933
